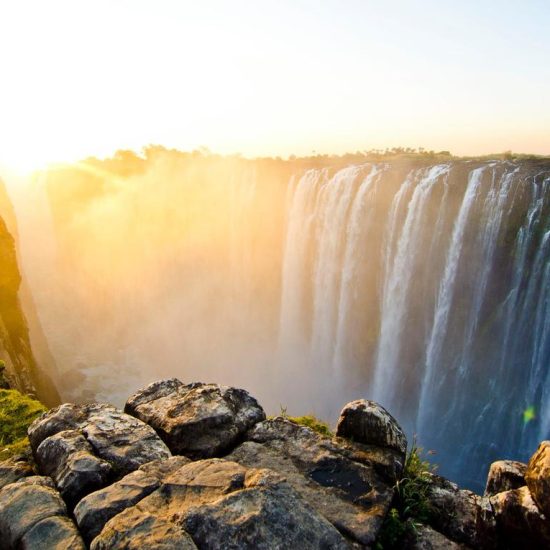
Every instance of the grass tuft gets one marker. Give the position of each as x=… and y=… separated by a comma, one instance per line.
x=411, y=503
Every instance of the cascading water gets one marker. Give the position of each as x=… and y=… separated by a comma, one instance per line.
x=454, y=336
x=423, y=286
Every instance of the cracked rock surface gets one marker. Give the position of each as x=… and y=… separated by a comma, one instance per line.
x=85, y=447
x=197, y=420
x=238, y=481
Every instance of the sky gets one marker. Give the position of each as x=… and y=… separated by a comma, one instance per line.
x=87, y=77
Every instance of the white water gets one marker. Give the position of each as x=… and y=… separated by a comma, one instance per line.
x=426, y=288
x=460, y=309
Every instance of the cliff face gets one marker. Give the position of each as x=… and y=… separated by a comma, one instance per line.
x=15, y=347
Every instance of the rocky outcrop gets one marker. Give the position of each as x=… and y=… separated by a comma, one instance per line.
x=85, y=447
x=135, y=530
x=368, y=422
x=33, y=515
x=274, y=484
x=197, y=420
x=69, y=459
x=537, y=477
x=349, y=485
x=95, y=510
x=505, y=475
x=461, y=515
x=520, y=522
x=220, y=503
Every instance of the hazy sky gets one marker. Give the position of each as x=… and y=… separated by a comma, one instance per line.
x=280, y=77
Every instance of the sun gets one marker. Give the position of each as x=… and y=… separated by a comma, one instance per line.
x=23, y=158
x=23, y=167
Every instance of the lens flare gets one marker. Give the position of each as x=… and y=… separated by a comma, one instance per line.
x=529, y=414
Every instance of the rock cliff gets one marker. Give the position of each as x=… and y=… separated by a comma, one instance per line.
x=200, y=466
x=16, y=354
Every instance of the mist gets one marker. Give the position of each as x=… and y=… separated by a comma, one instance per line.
x=156, y=266
x=410, y=280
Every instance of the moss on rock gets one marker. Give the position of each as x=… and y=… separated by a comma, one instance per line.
x=17, y=412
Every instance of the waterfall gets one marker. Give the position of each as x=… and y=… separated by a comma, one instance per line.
x=426, y=288
x=399, y=275
x=445, y=298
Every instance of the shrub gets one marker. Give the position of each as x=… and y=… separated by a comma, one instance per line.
x=411, y=504
x=17, y=411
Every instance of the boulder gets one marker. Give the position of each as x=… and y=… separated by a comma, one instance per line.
x=96, y=509
x=196, y=420
x=23, y=505
x=349, y=484
x=222, y=504
x=53, y=533
x=85, y=447
x=68, y=459
x=14, y=469
x=137, y=530
x=266, y=515
x=505, y=475
x=65, y=417
x=520, y=523
x=461, y=515
x=124, y=441
x=537, y=477
x=369, y=423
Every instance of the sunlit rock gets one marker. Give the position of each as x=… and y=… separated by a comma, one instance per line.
x=222, y=504
x=520, y=522
x=505, y=475
x=197, y=420
x=350, y=485
x=136, y=530
x=368, y=422
x=537, y=477
x=96, y=509
x=84, y=447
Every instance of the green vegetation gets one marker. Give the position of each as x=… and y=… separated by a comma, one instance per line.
x=411, y=505
x=309, y=421
x=17, y=411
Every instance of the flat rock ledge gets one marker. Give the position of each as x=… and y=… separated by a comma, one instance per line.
x=216, y=503
x=190, y=466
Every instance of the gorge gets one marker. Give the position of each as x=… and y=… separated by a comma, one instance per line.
x=423, y=284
